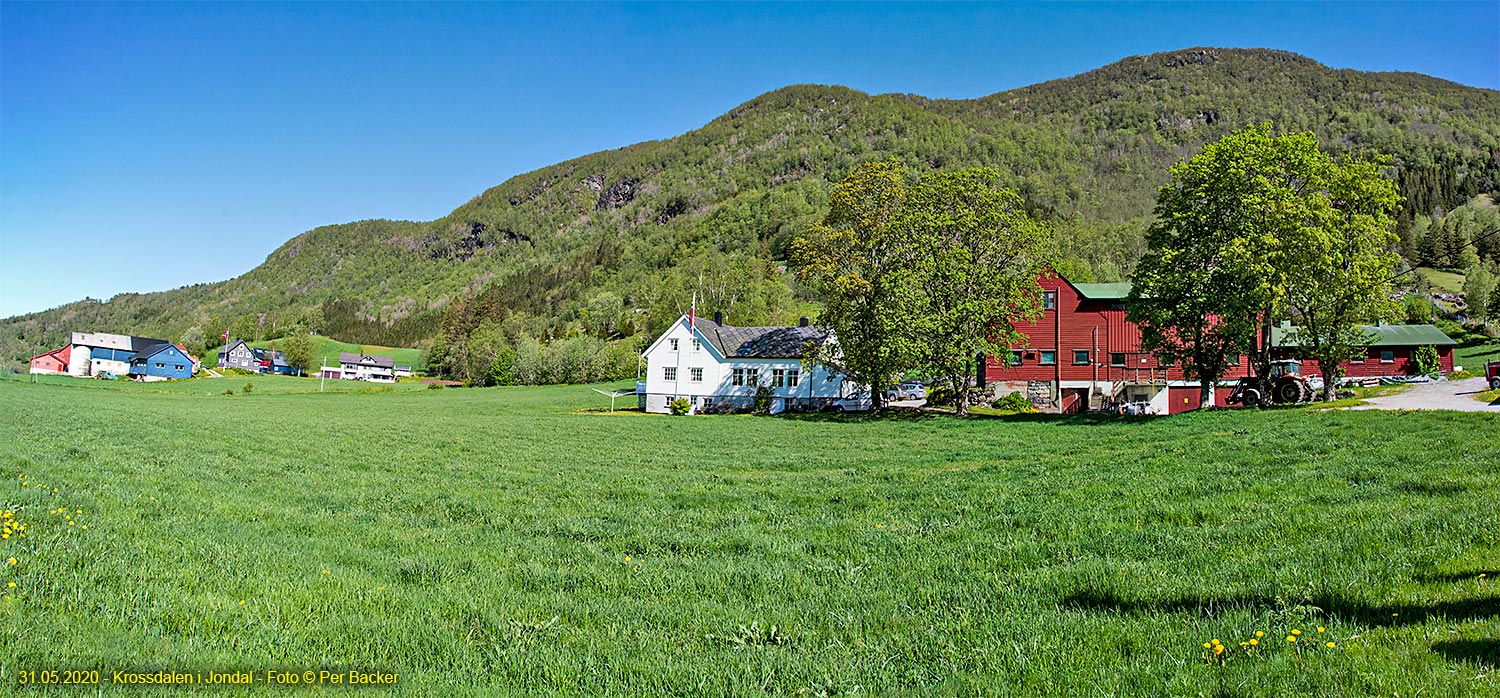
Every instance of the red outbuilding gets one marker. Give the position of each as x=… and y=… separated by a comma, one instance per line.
x=55, y=361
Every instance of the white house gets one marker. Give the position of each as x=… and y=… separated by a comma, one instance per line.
x=713, y=365
x=367, y=367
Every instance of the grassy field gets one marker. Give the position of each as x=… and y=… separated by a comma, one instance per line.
x=518, y=541
x=1450, y=281
x=328, y=348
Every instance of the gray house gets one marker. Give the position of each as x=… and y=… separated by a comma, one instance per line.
x=239, y=355
x=367, y=367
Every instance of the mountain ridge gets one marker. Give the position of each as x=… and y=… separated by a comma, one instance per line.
x=607, y=243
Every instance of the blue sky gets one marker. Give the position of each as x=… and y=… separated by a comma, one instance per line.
x=145, y=146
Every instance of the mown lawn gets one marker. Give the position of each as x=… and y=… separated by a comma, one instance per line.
x=504, y=541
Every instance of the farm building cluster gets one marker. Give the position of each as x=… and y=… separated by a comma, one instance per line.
x=1082, y=354
x=238, y=354
x=99, y=354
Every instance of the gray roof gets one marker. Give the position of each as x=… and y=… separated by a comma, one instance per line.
x=1379, y=336
x=759, y=342
x=367, y=359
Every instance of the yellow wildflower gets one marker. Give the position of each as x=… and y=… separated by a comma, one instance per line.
x=12, y=585
x=1320, y=628
x=1208, y=645
x=1218, y=649
x=1254, y=642
x=1331, y=645
x=1296, y=632
x=11, y=561
x=1291, y=638
x=325, y=571
x=1260, y=633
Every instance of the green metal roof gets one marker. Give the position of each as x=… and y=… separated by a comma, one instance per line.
x=1104, y=292
x=1380, y=336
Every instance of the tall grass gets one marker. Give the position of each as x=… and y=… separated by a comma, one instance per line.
x=508, y=540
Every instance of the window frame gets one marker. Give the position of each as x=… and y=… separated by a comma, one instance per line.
x=697, y=344
x=672, y=343
x=793, y=377
x=1087, y=357
x=669, y=373
x=778, y=378
x=1042, y=354
x=1122, y=361
x=1388, y=352
x=695, y=374
x=1017, y=357
x=1049, y=300
x=737, y=377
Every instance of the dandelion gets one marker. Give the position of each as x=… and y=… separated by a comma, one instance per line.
x=325, y=571
x=11, y=561
x=1254, y=642
x=1291, y=638
x=1296, y=632
x=1208, y=645
x=85, y=527
x=1331, y=645
x=1320, y=628
x=1218, y=649
x=12, y=585
x=1260, y=633
x=242, y=602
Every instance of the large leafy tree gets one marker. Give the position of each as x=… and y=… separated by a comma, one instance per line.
x=1208, y=275
x=860, y=260
x=1338, y=267
x=977, y=255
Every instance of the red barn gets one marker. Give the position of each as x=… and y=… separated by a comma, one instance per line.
x=1083, y=354
x=55, y=361
x=1391, y=351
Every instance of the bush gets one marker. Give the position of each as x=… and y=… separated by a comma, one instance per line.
x=762, y=399
x=940, y=395
x=248, y=387
x=1014, y=402
x=680, y=406
x=434, y=386
x=1426, y=358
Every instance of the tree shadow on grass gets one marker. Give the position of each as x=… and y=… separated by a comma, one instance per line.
x=1465, y=576
x=1485, y=653
x=1371, y=615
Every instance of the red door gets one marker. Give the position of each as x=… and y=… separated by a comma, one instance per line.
x=1075, y=400
x=1183, y=400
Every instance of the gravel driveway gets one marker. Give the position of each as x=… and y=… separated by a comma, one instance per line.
x=1442, y=395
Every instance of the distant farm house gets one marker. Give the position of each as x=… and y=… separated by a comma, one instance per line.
x=1083, y=353
x=714, y=366
x=364, y=367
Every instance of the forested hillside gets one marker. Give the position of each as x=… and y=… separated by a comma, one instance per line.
x=611, y=245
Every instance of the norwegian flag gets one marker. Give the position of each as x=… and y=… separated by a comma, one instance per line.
x=693, y=309
x=225, y=336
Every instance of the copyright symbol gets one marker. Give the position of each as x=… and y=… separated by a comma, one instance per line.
x=310, y=676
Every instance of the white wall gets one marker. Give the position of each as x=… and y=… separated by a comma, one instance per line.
x=718, y=373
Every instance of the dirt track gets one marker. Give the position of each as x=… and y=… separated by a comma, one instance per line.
x=1442, y=395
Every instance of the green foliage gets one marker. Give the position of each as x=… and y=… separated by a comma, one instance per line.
x=298, y=348
x=1014, y=402
x=854, y=257
x=976, y=256
x=680, y=406
x=1209, y=273
x=248, y=386
x=1479, y=286
x=762, y=400
x=1427, y=360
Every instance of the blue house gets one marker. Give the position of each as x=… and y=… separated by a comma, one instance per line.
x=160, y=362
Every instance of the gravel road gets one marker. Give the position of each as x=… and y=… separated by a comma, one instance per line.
x=1442, y=395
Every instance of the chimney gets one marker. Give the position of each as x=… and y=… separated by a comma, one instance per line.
x=802, y=322
x=718, y=317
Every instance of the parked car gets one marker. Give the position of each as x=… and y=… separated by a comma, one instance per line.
x=895, y=392
x=1492, y=372
x=915, y=391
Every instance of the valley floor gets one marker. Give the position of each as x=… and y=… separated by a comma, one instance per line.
x=523, y=540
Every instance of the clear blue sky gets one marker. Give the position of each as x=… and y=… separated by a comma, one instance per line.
x=145, y=146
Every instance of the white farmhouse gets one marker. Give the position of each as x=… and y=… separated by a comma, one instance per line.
x=715, y=365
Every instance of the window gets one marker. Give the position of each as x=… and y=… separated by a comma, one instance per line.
x=672, y=343
x=1015, y=357
x=697, y=345
x=1047, y=358
x=1080, y=357
x=737, y=377
x=1387, y=357
x=752, y=376
x=669, y=373
x=1358, y=359
x=160, y=365
x=695, y=374
x=793, y=376
x=778, y=377
x=177, y=366
x=1231, y=360
x=1117, y=360
x=1049, y=300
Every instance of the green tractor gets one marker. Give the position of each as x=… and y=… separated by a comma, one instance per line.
x=1285, y=385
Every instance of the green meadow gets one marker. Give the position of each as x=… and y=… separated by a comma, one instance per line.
x=525, y=541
